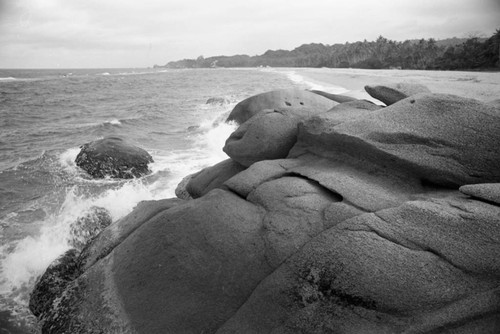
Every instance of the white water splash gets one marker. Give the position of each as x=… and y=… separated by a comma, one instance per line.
x=113, y=122
x=314, y=85
x=28, y=258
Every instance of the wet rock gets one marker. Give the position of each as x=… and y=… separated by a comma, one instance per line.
x=87, y=227
x=181, y=191
x=193, y=128
x=218, y=101
x=113, y=157
x=359, y=229
x=52, y=283
x=119, y=230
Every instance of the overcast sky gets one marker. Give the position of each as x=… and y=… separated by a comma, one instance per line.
x=131, y=33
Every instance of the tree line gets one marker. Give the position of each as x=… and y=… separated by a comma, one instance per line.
x=425, y=54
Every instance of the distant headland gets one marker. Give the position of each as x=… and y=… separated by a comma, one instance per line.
x=449, y=54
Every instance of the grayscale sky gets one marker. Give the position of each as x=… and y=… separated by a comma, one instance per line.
x=131, y=33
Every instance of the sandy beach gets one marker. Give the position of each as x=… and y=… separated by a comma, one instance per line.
x=484, y=86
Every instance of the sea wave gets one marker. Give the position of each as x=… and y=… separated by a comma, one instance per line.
x=314, y=85
x=113, y=122
x=21, y=264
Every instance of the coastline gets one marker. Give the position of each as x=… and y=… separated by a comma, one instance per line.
x=483, y=86
x=310, y=225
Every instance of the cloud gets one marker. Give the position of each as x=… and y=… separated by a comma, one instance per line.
x=96, y=33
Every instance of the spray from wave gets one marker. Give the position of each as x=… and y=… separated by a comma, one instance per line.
x=22, y=261
x=314, y=85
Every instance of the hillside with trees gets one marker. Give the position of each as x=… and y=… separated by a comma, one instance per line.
x=426, y=54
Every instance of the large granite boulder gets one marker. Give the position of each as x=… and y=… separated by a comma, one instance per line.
x=119, y=230
x=489, y=192
x=360, y=229
x=212, y=177
x=348, y=111
x=392, y=93
x=63, y=271
x=277, y=99
x=495, y=103
x=433, y=137
x=88, y=226
x=113, y=157
x=267, y=135
x=334, y=97
x=424, y=267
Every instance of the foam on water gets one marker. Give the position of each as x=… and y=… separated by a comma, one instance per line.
x=114, y=122
x=67, y=160
x=206, y=151
x=60, y=193
x=24, y=261
x=314, y=85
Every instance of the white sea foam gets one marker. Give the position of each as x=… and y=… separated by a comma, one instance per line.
x=28, y=258
x=67, y=160
x=314, y=85
x=206, y=151
x=31, y=255
x=114, y=122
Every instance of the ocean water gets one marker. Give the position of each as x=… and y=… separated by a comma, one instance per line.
x=45, y=115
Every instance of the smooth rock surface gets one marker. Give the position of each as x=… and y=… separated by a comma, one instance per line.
x=423, y=267
x=349, y=111
x=286, y=98
x=390, y=94
x=212, y=177
x=334, y=97
x=433, y=137
x=113, y=157
x=360, y=228
x=486, y=191
x=119, y=230
x=268, y=135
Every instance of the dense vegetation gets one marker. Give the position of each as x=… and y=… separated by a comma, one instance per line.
x=450, y=54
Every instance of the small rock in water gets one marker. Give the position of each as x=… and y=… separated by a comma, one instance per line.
x=218, y=101
x=51, y=284
x=113, y=157
x=87, y=227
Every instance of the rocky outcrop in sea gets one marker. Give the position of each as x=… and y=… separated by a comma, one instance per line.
x=332, y=215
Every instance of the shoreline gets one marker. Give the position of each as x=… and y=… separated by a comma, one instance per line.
x=484, y=86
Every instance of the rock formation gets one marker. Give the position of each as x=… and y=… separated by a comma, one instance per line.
x=113, y=157
x=334, y=97
x=218, y=101
x=88, y=226
x=278, y=99
x=212, y=177
x=374, y=220
x=390, y=94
